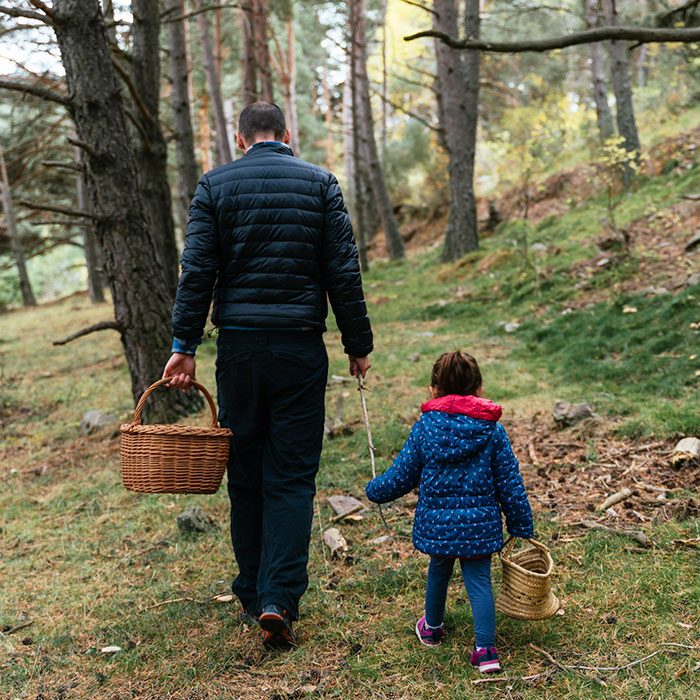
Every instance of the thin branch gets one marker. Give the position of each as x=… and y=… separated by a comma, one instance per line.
x=102, y=326
x=43, y=7
x=68, y=211
x=406, y=111
x=62, y=164
x=179, y=18
x=133, y=91
x=84, y=145
x=36, y=91
x=422, y=7
x=28, y=14
x=644, y=35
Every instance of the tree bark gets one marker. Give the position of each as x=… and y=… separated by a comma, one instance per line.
x=394, y=242
x=290, y=93
x=250, y=71
x=151, y=149
x=92, y=252
x=262, y=48
x=25, y=286
x=458, y=86
x=328, y=117
x=223, y=147
x=622, y=86
x=187, y=169
x=139, y=289
x=606, y=126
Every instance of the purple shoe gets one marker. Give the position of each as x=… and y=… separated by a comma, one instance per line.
x=427, y=636
x=486, y=660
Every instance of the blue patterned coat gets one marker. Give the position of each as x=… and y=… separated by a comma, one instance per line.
x=459, y=456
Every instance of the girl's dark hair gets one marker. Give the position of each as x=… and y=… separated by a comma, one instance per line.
x=456, y=373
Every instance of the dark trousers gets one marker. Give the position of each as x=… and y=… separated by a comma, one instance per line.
x=271, y=392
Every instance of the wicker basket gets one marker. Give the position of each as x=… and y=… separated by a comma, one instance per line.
x=173, y=458
x=526, y=587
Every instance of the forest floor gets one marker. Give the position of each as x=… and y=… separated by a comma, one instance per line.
x=85, y=564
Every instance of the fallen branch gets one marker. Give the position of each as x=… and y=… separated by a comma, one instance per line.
x=101, y=326
x=347, y=513
x=174, y=600
x=636, y=535
x=512, y=679
x=692, y=197
x=621, y=495
x=17, y=628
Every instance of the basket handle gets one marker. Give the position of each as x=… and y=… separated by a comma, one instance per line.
x=142, y=401
x=510, y=544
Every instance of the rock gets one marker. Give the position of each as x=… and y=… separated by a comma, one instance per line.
x=335, y=542
x=345, y=504
x=425, y=334
x=566, y=413
x=687, y=451
x=414, y=357
x=629, y=309
x=194, y=519
x=656, y=291
x=96, y=420
x=511, y=327
x=693, y=279
x=603, y=262
x=539, y=247
x=380, y=540
x=694, y=242
x=110, y=649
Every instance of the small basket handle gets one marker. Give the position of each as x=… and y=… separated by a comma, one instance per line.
x=510, y=544
x=139, y=406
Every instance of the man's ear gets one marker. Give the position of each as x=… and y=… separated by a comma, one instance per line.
x=240, y=142
x=287, y=136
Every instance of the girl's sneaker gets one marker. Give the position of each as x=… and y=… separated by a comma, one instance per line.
x=428, y=636
x=485, y=659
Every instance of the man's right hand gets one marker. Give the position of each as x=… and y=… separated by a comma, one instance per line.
x=359, y=366
x=181, y=368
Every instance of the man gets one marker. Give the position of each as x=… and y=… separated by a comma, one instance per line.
x=270, y=238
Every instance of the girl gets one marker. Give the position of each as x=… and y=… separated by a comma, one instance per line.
x=460, y=457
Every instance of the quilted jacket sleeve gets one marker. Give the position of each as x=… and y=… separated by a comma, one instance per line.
x=200, y=264
x=403, y=475
x=510, y=489
x=341, y=274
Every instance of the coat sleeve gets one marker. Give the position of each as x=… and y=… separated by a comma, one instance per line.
x=403, y=475
x=510, y=489
x=200, y=265
x=341, y=274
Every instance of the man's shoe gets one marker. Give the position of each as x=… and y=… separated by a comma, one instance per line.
x=485, y=659
x=276, y=626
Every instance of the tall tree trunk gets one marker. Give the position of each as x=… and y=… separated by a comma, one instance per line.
x=187, y=170
x=458, y=87
x=348, y=141
x=25, y=286
x=606, y=126
x=642, y=66
x=385, y=87
x=250, y=70
x=330, y=147
x=394, y=242
x=93, y=260
x=359, y=198
x=216, y=102
x=140, y=293
x=151, y=149
x=622, y=87
x=262, y=49
x=290, y=95
x=204, y=132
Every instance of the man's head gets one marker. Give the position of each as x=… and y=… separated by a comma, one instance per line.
x=261, y=121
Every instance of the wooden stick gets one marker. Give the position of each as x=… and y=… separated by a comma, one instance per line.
x=361, y=387
x=20, y=627
x=636, y=535
x=621, y=495
x=347, y=513
x=174, y=600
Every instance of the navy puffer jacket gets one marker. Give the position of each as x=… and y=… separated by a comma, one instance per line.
x=460, y=457
x=269, y=236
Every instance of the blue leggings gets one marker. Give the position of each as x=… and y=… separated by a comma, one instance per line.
x=477, y=580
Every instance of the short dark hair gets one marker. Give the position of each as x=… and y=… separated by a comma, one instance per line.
x=261, y=118
x=456, y=373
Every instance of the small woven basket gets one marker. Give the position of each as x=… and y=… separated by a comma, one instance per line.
x=173, y=458
x=526, y=587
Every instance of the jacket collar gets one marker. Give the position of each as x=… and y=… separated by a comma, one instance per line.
x=269, y=146
x=472, y=406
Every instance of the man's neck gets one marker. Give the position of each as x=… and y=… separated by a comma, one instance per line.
x=270, y=139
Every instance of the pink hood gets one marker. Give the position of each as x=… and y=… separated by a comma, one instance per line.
x=472, y=406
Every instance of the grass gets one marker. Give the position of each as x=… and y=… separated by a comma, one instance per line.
x=87, y=562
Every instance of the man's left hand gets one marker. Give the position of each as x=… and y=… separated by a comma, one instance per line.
x=359, y=366
x=181, y=368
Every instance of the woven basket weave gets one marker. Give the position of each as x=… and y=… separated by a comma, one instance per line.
x=526, y=587
x=173, y=458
